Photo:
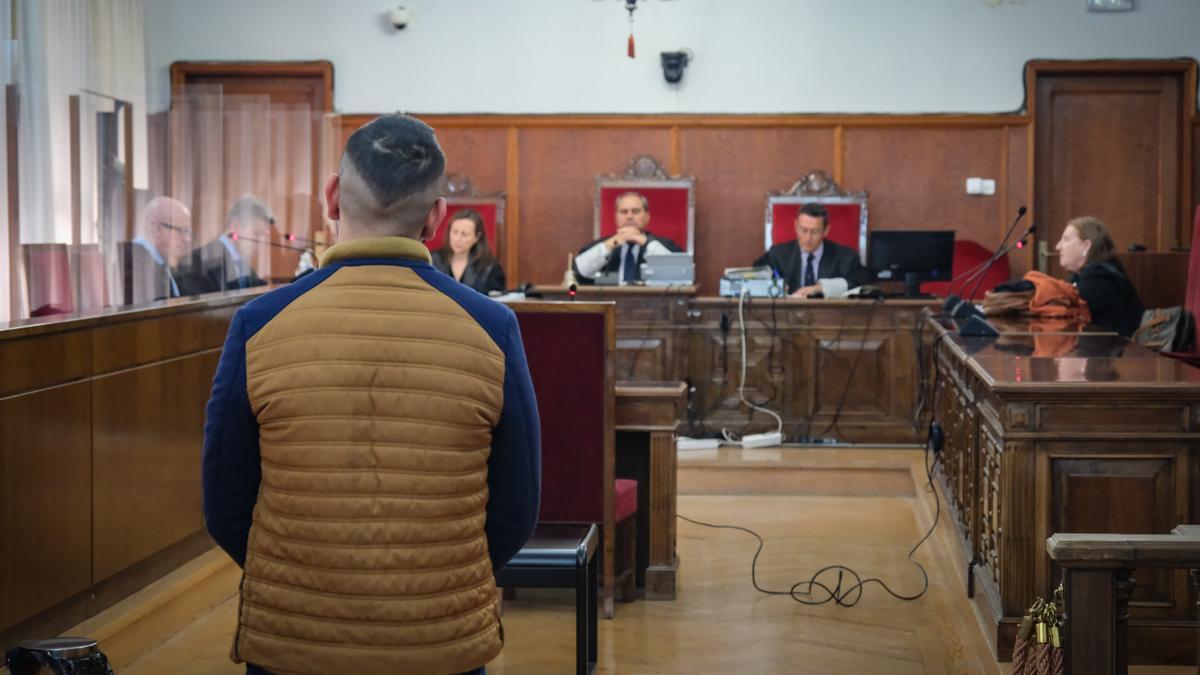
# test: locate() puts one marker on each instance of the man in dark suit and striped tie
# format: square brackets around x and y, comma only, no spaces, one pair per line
[811,265]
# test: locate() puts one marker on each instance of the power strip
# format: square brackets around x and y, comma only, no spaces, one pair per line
[685,443]
[762,440]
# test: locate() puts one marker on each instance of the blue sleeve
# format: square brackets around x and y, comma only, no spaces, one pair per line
[515,465]
[231,468]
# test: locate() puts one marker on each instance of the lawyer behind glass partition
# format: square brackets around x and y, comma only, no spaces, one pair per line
[631,243]
[811,265]
[465,255]
[1086,250]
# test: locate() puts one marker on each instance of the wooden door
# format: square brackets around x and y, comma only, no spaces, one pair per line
[253,128]
[1112,140]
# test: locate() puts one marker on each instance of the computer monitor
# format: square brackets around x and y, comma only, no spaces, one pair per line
[911,256]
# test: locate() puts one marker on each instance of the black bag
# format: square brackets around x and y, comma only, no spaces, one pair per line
[1172,329]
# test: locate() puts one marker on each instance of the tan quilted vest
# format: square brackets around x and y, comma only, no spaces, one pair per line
[375,396]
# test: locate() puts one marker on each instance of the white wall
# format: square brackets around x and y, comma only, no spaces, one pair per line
[558,56]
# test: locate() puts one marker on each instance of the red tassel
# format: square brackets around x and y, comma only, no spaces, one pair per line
[631,52]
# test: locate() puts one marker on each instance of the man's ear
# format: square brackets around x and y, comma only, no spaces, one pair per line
[333,206]
[434,218]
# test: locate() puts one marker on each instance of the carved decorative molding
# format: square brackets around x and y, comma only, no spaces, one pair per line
[815,183]
[460,185]
[644,167]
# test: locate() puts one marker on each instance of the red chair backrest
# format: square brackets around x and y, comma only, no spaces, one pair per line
[670,211]
[844,224]
[490,210]
[568,354]
[48,279]
[968,254]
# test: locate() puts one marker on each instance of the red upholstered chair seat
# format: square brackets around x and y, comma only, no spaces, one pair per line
[668,211]
[968,254]
[626,498]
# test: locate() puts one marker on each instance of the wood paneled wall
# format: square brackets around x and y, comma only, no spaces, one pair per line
[913,166]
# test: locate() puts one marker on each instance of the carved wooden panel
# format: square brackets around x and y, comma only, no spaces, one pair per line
[852,376]
[991,517]
[1089,163]
[1131,495]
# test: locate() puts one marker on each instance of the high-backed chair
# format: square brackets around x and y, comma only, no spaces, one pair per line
[847,212]
[48,279]
[461,193]
[672,201]
[571,350]
[969,255]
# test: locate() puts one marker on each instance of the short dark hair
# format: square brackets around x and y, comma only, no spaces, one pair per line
[813,210]
[397,157]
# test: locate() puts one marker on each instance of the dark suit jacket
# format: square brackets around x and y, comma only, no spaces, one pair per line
[485,278]
[837,261]
[1111,297]
[212,269]
[614,260]
[145,280]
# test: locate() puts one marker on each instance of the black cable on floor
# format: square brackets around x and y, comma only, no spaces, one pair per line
[841,594]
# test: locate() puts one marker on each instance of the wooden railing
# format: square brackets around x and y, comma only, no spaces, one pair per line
[1098,583]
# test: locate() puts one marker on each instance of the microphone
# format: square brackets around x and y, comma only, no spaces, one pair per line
[953,303]
[571,292]
[234,236]
[1003,251]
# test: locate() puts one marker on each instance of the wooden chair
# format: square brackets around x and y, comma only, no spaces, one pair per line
[847,212]
[570,348]
[461,194]
[672,201]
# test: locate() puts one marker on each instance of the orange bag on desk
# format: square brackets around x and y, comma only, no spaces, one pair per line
[1056,299]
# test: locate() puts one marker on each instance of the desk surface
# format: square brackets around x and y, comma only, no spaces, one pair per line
[1023,358]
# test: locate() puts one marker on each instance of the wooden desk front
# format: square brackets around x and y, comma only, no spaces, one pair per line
[836,368]
[1095,436]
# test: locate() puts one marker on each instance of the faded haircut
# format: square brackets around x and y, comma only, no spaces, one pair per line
[391,173]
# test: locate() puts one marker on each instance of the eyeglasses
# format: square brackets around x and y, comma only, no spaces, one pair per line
[181,229]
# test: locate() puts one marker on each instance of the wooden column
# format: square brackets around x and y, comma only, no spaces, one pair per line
[1097,612]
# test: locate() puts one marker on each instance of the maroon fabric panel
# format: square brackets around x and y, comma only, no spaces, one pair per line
[843,223]
[566,355]
[968,254]
[668,211]
[485,209]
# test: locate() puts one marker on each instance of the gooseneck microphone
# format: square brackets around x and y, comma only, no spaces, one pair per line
[954,304]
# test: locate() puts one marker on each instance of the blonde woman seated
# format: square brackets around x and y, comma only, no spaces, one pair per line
[1086,249]
[465,255]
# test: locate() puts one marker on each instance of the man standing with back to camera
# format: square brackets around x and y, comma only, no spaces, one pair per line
[812,264]
[372,449]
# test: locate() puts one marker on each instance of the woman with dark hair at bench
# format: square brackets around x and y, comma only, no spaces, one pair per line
[465,255]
